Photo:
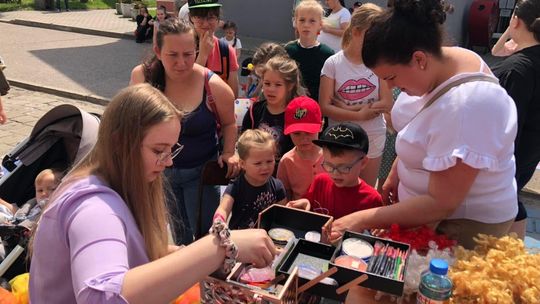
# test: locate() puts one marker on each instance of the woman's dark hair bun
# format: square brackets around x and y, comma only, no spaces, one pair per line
[422,11]
[535,26]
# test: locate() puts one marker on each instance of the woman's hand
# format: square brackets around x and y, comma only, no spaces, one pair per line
[340,225]
[390,188]
[232,160]
[254,247]
[379,232]
[300,204]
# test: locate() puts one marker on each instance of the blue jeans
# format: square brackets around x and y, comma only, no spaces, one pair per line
[185,187]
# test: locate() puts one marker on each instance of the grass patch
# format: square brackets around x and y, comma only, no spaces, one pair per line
[73,4]
[15,6]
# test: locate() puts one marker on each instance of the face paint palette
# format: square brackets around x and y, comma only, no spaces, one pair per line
[280,236]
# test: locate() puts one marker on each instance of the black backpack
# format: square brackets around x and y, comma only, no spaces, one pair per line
[224,53]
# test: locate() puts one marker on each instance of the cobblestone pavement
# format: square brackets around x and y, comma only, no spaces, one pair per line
[24,108]
[100,20]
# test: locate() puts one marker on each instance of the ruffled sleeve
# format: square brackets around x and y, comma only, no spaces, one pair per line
[475,123]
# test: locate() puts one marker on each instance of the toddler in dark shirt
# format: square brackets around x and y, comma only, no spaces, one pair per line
[256,188]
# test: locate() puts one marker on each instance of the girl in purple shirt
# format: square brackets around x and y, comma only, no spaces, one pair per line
[103,237]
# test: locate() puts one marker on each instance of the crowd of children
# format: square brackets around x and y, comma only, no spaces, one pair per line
[335,174]
[296,91]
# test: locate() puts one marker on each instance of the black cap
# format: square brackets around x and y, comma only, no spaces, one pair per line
[346,135]
[203,4]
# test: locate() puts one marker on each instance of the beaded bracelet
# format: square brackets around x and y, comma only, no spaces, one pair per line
[220,229]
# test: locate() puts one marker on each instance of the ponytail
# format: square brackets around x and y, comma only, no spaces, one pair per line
[535,28]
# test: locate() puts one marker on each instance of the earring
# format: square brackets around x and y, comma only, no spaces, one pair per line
[422,67]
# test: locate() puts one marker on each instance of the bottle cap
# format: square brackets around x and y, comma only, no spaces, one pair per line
[438,266]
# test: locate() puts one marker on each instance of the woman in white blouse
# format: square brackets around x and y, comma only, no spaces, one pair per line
[455,165]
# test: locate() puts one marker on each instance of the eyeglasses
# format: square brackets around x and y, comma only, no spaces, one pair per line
[162,157]
[210,19]
[342,169]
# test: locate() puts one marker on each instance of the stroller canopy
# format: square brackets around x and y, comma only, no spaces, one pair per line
[60,138]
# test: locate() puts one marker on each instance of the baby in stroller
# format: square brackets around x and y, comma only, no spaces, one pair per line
[45,183]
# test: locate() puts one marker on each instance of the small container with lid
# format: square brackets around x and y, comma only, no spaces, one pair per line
[357,248]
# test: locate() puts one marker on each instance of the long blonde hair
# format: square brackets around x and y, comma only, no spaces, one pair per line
[116,159]
[289,71]
[361,20]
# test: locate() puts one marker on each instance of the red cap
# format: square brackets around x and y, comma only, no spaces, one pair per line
[303,114]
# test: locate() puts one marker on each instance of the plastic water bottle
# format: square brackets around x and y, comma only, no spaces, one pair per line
[435,285]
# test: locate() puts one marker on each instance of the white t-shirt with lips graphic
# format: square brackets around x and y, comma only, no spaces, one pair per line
[355,84]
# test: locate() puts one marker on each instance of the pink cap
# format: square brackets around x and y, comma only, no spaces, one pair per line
[303,114]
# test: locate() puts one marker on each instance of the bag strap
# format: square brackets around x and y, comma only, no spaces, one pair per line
[446,88]
[224,53]
[209,97]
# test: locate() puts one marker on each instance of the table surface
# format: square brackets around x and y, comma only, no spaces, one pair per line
[367,296]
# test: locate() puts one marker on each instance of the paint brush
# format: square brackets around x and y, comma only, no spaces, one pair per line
[376,251]
[380,259]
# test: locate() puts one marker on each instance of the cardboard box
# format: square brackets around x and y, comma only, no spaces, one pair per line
[298,221]
[230,290]
[374,281]
[318,251]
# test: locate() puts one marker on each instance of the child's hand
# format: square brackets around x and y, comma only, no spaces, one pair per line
[368,112]
[206,43]
[382,106]
[300,204]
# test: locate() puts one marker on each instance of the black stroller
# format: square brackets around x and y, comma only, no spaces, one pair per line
[60,138]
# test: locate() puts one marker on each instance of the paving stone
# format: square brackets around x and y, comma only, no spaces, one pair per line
[24,108]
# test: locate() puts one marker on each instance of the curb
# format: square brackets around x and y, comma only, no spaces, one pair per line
[86,31]
[65,28]
[95,99]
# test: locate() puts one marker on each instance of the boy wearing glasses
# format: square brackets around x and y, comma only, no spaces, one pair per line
[221,59]
[339,191]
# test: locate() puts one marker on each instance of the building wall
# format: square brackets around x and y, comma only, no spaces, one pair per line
[267,19]
[271,19]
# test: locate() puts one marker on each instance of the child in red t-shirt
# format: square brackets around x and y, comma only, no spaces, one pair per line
[339,191]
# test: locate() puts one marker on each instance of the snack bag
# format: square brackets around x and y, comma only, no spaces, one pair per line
[19,287]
